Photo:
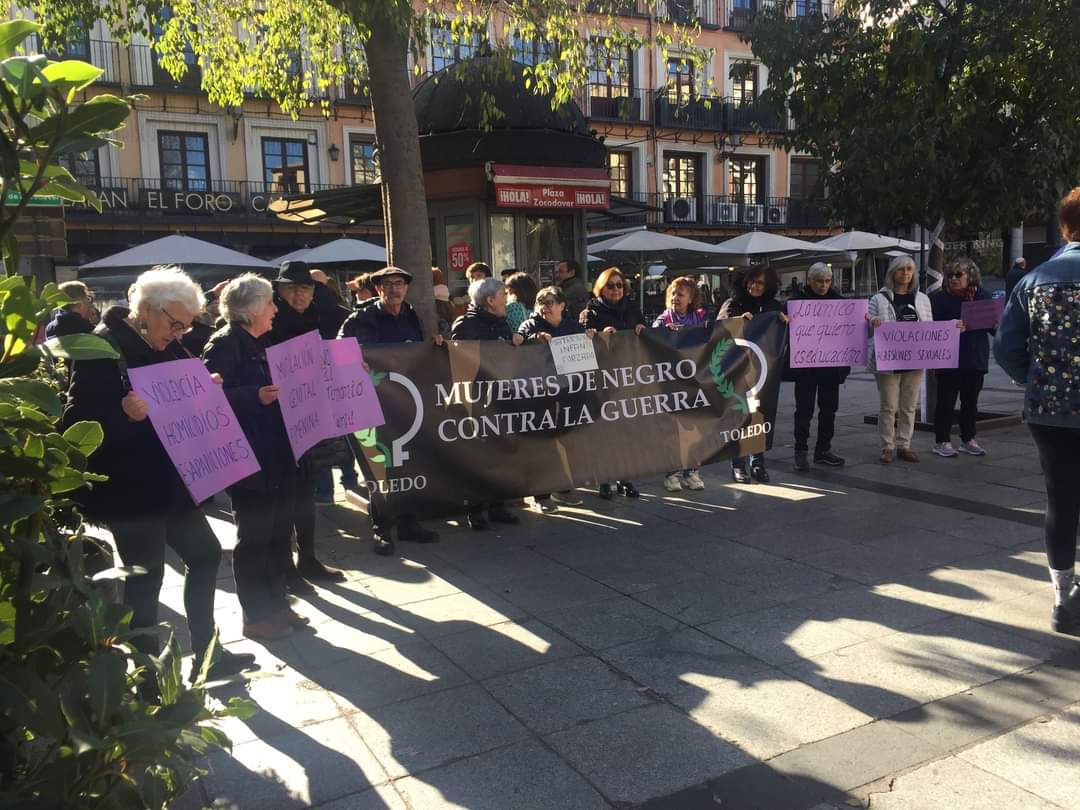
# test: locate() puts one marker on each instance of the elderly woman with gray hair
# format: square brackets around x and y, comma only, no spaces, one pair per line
[262,502]
[485,319]
[963,282]
[899,299]
[817,384]
[144,503]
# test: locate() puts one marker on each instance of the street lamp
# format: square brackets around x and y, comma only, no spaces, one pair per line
[334,152]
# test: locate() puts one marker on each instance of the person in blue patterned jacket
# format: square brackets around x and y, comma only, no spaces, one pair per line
[1038,346]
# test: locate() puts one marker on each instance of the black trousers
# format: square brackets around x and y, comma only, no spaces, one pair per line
[967,384]
[303,505]
[1059,449]
[827,396]
[264,524]
[141,541]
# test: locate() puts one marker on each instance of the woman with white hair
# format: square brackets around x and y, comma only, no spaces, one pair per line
[485,319]
[263,502]
[144,503]
[820,385]
[963,282]
[899,299]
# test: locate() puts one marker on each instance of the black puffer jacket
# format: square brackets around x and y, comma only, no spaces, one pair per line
[815,376]
[142,479]
[373,325]
[479,324]
[67,322]
[742,302]
[240,359]
[535,324]
[624,315]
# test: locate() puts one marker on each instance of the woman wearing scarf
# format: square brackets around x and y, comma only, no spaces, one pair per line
[962,283]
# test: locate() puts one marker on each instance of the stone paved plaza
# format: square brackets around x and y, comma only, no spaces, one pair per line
[877,635]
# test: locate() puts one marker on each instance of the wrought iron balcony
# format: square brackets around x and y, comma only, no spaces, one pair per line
[101,53]
[605,102]
[714,211]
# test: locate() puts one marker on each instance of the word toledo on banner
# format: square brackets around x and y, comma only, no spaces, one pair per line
[828,332]
[912,345]
[195,424]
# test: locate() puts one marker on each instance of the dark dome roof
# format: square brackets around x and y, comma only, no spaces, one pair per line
[450,100]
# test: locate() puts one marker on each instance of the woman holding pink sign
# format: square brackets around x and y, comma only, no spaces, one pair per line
[899,299]
[963,282]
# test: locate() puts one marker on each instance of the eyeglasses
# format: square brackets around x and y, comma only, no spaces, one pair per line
[392,285]
[176,326]
[548,302]
[957,275]
[614,285]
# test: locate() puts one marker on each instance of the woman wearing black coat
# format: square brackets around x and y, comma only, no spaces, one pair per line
[296,299]
[817,384]
[963,282]
[610,311]
[144,503]
[485,319]
[754,295]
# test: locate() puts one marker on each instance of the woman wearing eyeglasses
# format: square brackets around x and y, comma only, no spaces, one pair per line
[144,503]
[754,295]
[610,311]
[963,282]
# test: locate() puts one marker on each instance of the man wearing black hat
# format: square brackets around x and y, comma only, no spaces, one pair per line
[294,293]
[391,319]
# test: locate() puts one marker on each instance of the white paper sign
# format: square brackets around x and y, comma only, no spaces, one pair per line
[573,353]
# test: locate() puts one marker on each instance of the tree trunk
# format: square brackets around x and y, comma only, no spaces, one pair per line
[408,242]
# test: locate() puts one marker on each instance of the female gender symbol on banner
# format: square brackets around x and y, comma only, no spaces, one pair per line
[752,402]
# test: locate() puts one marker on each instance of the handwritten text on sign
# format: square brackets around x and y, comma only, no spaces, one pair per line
[983,314]
[904,346]
[196,425]
[573,354]
[296,367]
[354,405]
[828,332]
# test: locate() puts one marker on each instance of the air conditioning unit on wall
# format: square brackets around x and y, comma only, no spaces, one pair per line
[753,214]
[680,209]
[777,214]
[726,212]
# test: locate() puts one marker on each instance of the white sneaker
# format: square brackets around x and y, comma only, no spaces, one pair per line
[945,450]
[546,506]
[972,448]
[673,483]
[694,482]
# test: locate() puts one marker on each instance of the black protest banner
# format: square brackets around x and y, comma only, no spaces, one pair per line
[487,421]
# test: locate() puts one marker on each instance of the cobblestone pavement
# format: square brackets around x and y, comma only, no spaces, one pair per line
[875,634]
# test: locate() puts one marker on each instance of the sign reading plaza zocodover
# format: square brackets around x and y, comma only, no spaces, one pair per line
[488,420]
[828,332]
[196,425]
[911,345]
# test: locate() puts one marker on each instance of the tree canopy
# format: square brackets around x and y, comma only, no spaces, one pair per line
[923,110]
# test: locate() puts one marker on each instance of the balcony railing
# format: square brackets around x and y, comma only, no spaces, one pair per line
[151,198]
[723,212]
[741,115]
[100,53]
[352,93]
[717,114]
[603,102]
[147,72]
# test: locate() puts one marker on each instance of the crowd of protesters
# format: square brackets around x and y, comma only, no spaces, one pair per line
[147,508]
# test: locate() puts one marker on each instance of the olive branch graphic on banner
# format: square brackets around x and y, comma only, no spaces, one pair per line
[369,436]
[720,379]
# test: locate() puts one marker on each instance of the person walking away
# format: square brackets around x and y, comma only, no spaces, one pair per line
[77,318]
[485,319]
[756,294]
[1012,278]
[144,502]
[610,311]
[899,299]
[391,319]
[963,282]
[817,385]
[1039,331]
[684,310]
[568,277]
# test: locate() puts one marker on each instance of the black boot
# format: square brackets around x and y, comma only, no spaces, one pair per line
[410,531]
[628,489]
[759,472]
[740,474]
[605,492]
[801,464]
[384,546]
[828,458]
[500,514]
[227,664]
[477,521]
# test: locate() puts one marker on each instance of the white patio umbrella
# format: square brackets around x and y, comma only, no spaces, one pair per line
[745,247]
[863,241]
[339,250]
[176,249]
[288,257]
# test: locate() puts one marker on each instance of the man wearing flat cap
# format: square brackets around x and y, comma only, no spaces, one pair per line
[391,319]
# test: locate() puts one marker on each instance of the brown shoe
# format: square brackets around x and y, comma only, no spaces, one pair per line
[293,619]
[268,629]
[907,454]
[888,456]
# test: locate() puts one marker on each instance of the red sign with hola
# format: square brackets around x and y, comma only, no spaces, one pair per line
[550,187]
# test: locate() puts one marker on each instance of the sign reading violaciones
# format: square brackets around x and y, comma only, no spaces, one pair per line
[911,345]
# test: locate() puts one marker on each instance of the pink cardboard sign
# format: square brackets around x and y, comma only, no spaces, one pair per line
[827,332]
[354,405]
[296,367]
[983,314]
[911,345]
[196,425]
